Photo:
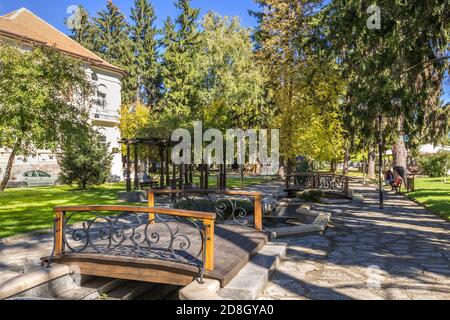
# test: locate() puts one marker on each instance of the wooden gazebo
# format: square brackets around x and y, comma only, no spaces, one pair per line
[181,175]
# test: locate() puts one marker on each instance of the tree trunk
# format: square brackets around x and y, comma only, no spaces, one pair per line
[371,165]
[9,166]
[333,166]
[346,159]
[400,155]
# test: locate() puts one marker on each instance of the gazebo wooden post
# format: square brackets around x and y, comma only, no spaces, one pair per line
[166,149]
[161,167]
[136,171]
[202,179]
[186,174]
[206,176]
[128,168]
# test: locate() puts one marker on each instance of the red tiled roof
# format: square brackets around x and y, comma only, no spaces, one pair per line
[25,26]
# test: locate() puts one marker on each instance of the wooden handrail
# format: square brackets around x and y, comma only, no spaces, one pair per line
[207,191]
[172,212]
[257,214]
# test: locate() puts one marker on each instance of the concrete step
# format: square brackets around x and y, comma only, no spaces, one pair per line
[252,279]
[92,289]
[128,291]
[161,292]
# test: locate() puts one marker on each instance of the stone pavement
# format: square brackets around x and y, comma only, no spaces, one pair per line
[402,252]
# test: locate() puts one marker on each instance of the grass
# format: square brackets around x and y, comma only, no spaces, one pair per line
[26,210]
[434,194]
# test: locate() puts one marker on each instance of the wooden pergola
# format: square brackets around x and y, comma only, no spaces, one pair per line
[181,175]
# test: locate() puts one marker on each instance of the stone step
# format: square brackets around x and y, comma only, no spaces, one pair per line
[161,292]
[129,291]
[252,279]
[92,290]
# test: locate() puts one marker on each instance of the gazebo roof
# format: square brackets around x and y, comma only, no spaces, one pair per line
[148,141]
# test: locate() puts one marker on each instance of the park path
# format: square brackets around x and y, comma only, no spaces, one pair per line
[401,252]
[406,246]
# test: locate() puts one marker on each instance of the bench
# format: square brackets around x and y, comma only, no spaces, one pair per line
[149,185]
[397,185]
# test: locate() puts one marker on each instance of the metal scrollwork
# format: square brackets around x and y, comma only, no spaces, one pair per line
[228,209]
[301,181]
[128,234]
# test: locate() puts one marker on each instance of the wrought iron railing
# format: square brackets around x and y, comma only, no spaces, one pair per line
[155,233]
[230,206]
[322,181]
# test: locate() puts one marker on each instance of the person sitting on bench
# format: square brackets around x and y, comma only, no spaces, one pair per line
[397,184]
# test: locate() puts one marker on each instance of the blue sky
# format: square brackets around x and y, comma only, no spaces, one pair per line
[54,12]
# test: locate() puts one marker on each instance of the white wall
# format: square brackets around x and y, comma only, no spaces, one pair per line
[105,119]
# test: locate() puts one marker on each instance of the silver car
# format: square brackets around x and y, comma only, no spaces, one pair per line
[32,178]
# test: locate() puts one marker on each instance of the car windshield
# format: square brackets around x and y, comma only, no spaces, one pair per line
[43,174]
[30,174]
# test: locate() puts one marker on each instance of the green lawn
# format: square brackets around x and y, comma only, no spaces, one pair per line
[25,210]
[434,194]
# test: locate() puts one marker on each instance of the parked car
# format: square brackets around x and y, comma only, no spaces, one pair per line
[32,178]
[113,178]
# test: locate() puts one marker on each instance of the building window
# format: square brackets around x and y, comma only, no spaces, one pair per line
[102,137]
[101,96]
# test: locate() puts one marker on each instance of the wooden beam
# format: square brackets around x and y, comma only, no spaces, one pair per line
[210,191]
[128,169]
[130,271]
[136,169]
[257,215]
[151,204]
[209,249]
[172,212]
[59,232]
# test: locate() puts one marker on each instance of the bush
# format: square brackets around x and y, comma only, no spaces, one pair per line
[85,161]
[310,195]
[435,165]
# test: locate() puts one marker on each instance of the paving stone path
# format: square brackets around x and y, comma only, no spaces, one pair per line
[402,252]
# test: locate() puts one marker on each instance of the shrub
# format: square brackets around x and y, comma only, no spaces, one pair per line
[311,195]
[435,165]
[85,161]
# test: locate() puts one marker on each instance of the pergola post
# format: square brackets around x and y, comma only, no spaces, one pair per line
[161,167]
[136,171]
[166,149]
[128,168]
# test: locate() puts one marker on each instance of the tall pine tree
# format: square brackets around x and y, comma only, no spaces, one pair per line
[145,48]
[179,71]
[82,31]
[112,42]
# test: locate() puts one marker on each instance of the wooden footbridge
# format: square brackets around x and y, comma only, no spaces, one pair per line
[163,245]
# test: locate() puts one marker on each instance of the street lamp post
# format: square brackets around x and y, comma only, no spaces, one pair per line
[380,160]
[396,102]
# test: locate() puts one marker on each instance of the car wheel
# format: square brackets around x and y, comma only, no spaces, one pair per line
[22,185]
[57,183]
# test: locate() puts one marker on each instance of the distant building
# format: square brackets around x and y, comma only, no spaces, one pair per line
[27,30]
[431,149]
